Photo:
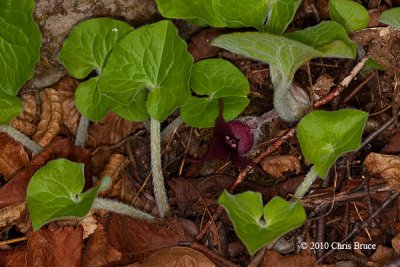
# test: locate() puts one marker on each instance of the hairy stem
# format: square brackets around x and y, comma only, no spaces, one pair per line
[120,208]
[306,184]
[20,137]
[290,101]
[158,178]
[82,132]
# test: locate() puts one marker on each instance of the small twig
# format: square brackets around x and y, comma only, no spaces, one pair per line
[315,200]
[359,87]
[345,82]
[82,132]
[357,228]
[12,241]
[21,138]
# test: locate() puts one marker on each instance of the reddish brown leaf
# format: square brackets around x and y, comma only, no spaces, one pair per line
[99,252]
[12,157]
[200,45]
[59,248]
[394,145]
[138,238]
[176,257]
[111,130]
[272,258]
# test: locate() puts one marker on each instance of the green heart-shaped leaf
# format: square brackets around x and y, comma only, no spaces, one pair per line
[349,14]
[20,41]
[328,37]
[55,192]
[215,79]
[87,49]
[154,58]
[391,17]
[246,212]
[324,136]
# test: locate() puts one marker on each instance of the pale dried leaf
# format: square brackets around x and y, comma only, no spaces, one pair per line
[323,85]
[12,157]
[277,166]
[176,257]
[11,215]
[66,90]
[386,166]
[89,224]
[50,117]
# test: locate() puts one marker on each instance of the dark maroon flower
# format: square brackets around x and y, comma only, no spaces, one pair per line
[231,140]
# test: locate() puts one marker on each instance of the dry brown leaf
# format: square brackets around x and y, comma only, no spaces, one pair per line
[115,165]
[394,145]
[273,259]
[386,166]
[176,257]
[396,244]
[59,248]
[277,166]
[382,255]
[50,117]
[12,157]
[139,238]
[323,85]
[10,215]
[24,127]
[99,252]
[26,123]
[30,108]
[111,130]
[200,45]
[66,90]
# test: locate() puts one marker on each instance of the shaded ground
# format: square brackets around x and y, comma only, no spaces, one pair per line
[355,203]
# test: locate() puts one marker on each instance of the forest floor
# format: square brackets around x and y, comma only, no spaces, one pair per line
[356,204]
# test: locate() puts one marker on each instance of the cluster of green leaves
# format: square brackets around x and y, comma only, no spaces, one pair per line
[55,192]
[20,41]
[146,72]
[272,16]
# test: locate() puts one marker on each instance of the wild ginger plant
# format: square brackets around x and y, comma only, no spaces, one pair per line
[142,74]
